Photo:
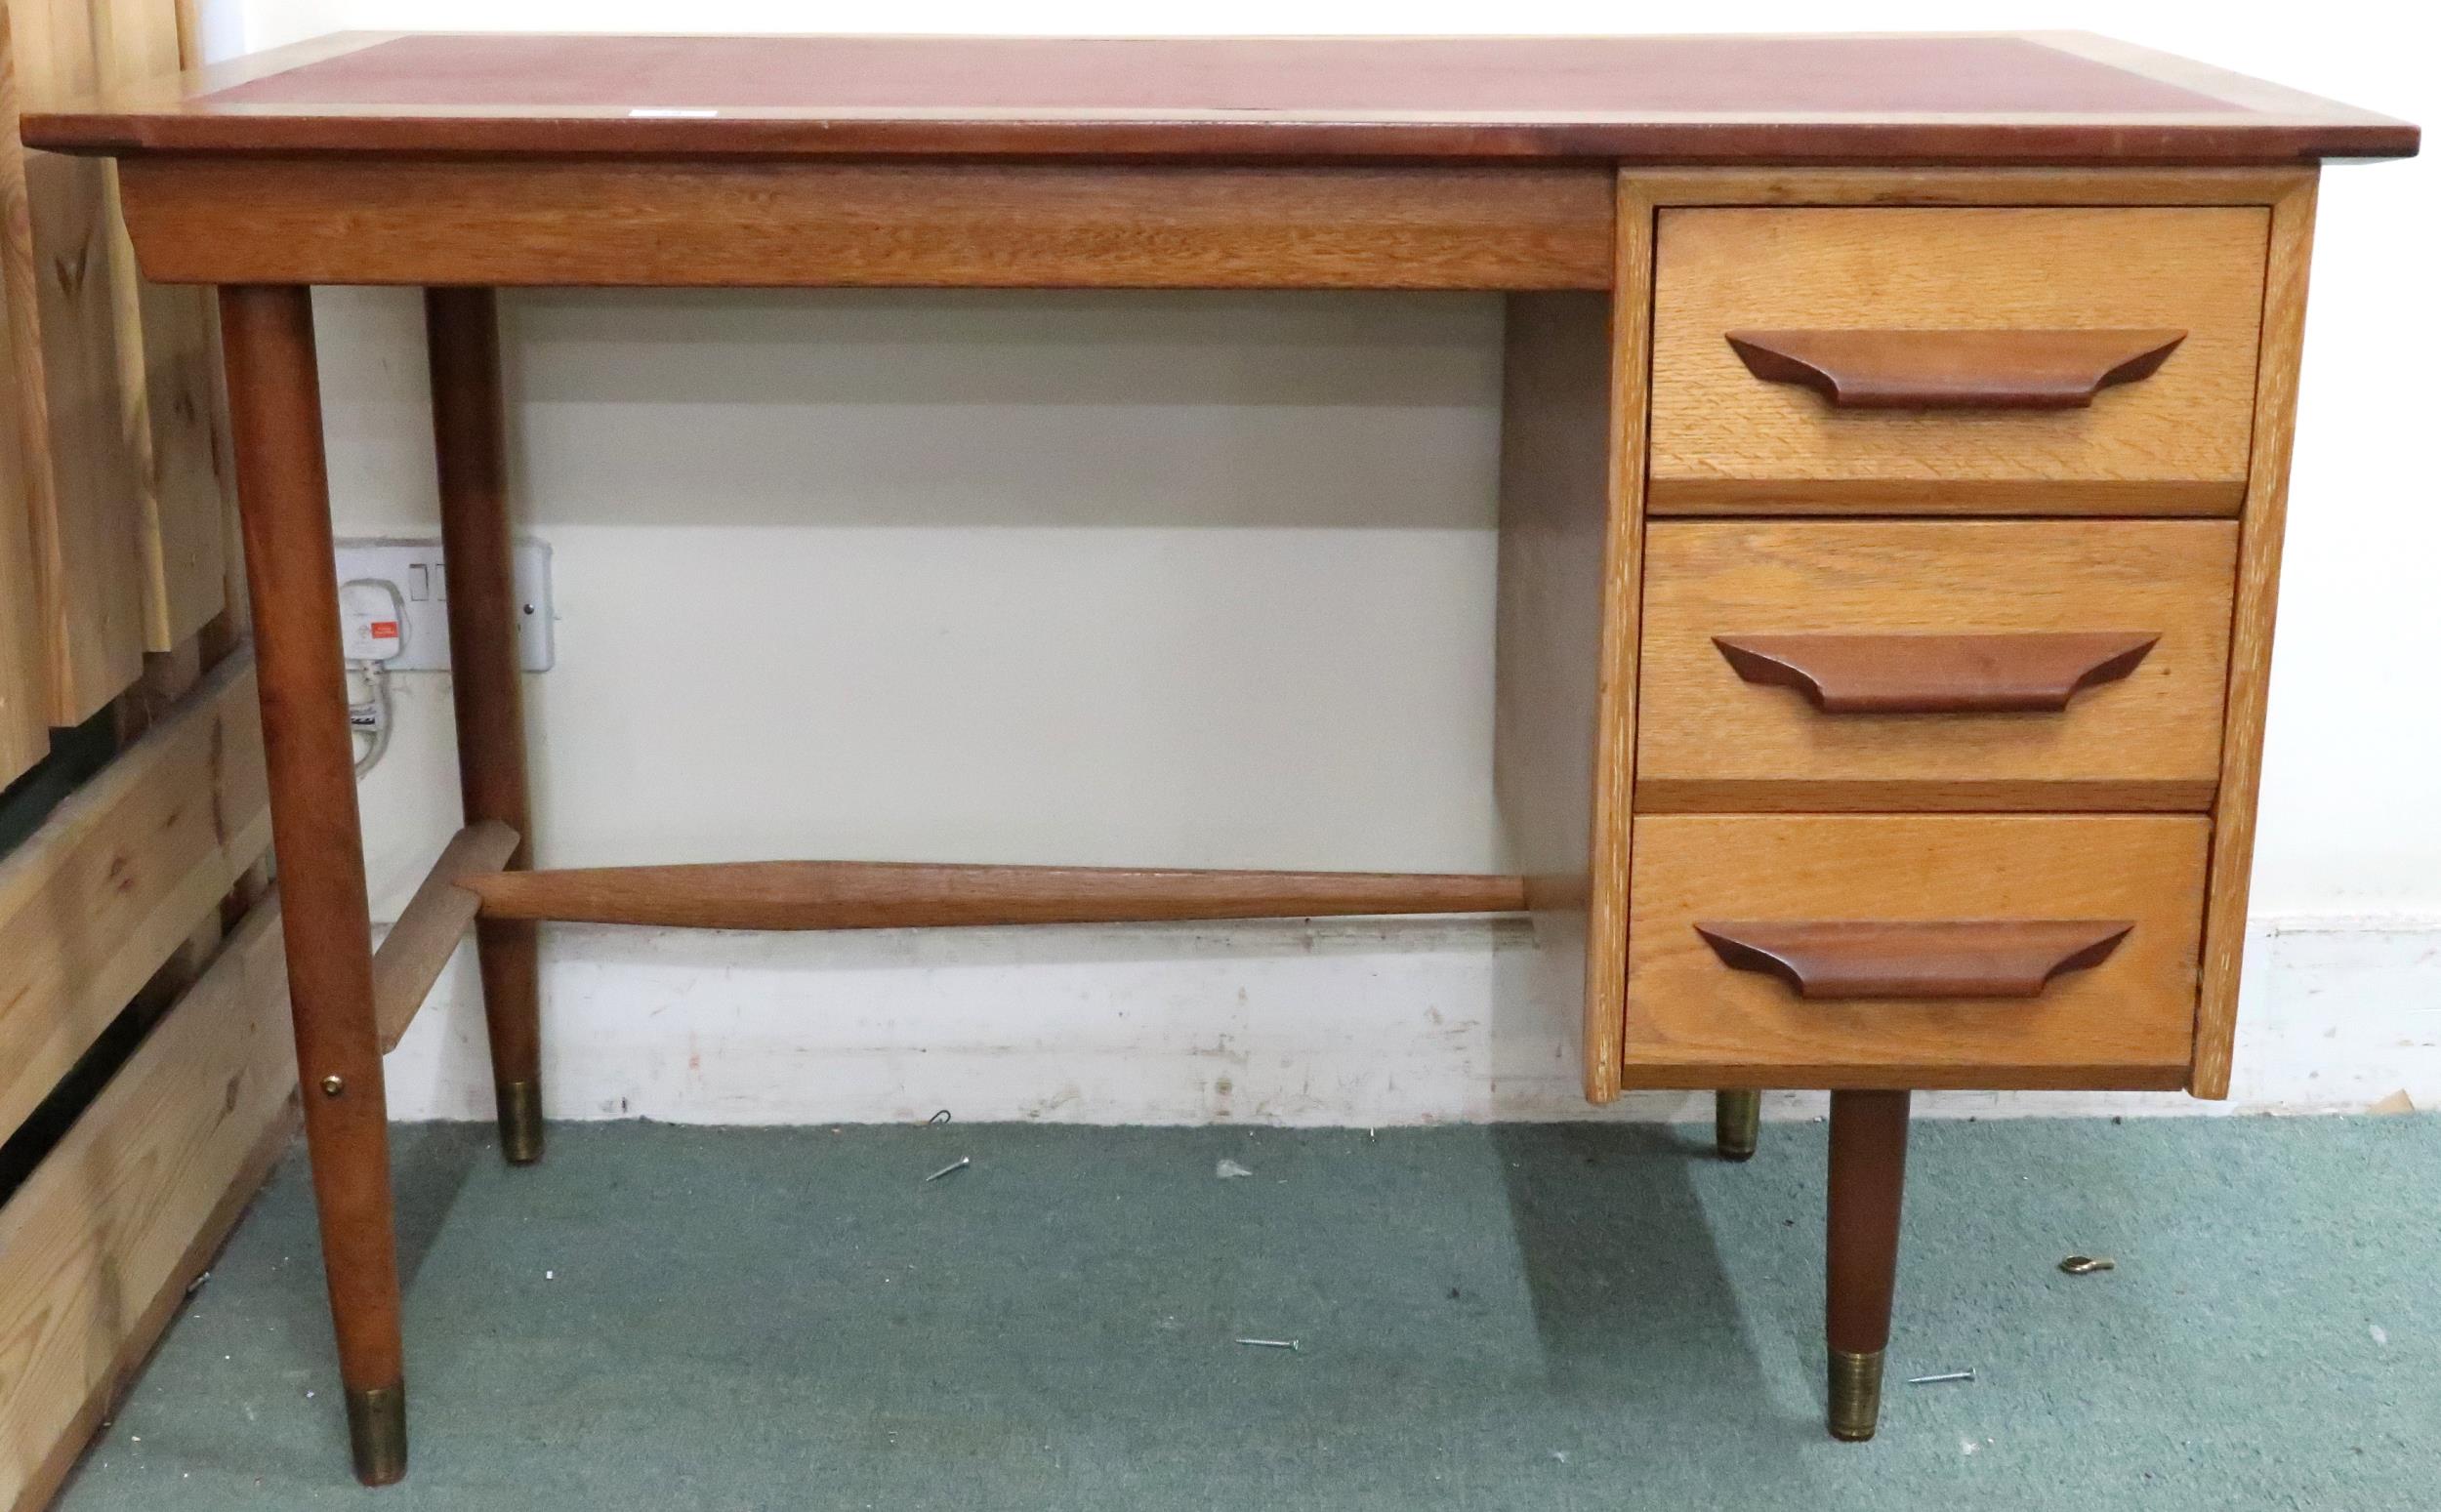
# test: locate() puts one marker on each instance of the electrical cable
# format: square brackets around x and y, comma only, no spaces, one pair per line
[371,718]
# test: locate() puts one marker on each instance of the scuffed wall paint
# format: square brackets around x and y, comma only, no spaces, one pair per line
[1368,1022]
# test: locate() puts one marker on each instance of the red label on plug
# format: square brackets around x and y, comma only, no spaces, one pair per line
[385,630]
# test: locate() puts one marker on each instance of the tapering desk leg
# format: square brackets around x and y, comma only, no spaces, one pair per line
[1737,1118]
[1868,1175]
[462,329]
[275,417]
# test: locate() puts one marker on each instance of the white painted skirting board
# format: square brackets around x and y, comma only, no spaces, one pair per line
[1324,1023]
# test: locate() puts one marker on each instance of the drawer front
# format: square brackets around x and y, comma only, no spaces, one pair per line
[1820,664]
[1955,360]
[1933,951]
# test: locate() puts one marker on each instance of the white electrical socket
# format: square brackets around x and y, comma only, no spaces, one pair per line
[372,623]
[414,569]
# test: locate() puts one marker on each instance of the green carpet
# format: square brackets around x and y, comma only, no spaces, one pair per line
[1530,1316]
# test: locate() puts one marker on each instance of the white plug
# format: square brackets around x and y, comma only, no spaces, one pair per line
[372,621]
[372,632]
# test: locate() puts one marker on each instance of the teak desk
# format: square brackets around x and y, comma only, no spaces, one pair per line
[1896,440]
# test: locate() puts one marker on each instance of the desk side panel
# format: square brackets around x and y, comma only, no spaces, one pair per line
[1570,537]
[2265,524]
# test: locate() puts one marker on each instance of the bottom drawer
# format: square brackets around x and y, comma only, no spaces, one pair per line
[1862,951]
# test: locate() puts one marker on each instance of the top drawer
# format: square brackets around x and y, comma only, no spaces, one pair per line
[1937,360]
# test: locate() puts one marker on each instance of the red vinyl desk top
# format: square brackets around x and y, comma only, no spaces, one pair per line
[1968,98]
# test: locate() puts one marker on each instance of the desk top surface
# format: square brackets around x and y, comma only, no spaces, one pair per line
[1971,98]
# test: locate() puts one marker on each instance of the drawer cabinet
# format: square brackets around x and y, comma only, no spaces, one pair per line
[1947,950]
[2067,360]
[1942,557]
[1917,665]
[1940,587]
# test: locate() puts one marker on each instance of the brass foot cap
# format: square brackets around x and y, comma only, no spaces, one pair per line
[1855,1394]
[521,1122]
[377,1433]
[1737,1123]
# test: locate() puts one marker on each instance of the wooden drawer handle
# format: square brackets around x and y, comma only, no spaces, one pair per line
[1978,673]
[1956,370]
[2012,957]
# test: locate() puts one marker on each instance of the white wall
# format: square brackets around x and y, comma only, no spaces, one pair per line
[1206,580]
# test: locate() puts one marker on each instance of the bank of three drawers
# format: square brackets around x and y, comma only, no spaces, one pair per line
[1942,530]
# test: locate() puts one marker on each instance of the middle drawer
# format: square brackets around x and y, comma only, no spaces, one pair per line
[1914,665]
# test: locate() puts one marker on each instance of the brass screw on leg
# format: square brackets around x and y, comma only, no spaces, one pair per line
[1855,1394]
[1737,1123]
[332,1086]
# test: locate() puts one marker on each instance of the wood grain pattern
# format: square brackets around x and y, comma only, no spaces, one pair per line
[170,676]
[98,1247]
[1955,370]
[429,928]
[1898,187]
[1939,673]
[2250,660]
[388,220]
[1832,960]
[2125,1023]
[167,360]
[283,490]
[1556,686]
[1955,98]
[2175,443]
[117,877]
[24,682]
[83,482]
[190,494]
[1867,1184]
[898,895]
[1620,639]
[471,462]
[1710,739]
